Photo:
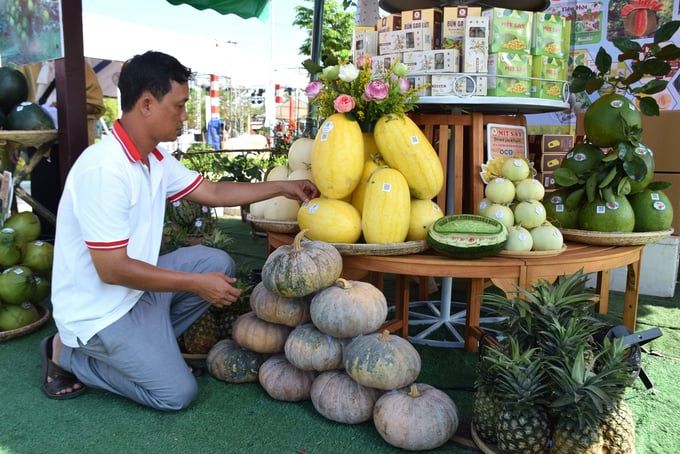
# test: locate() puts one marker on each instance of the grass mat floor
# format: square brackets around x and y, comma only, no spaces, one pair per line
[244,419]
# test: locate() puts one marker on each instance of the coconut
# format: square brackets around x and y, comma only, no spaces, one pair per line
[547,237]
[10,253]
[14,317]
[38,256]
[500,190]
[519,239]
[42,289]
[529,214]
[16,285]
[26,224]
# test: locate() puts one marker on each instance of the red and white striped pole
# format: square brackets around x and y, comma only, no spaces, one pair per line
[278,99]
[214,96]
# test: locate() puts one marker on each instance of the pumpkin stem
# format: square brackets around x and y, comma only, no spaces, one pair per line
[343,283]
[413,392]
[297,242]
[384,336]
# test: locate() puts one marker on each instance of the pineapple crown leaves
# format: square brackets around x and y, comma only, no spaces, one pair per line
[521,378]
[613,360]
[559,341]
[650,62]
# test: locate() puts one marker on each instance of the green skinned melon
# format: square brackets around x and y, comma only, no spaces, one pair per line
[467,236]
[382,361]
[301,269]
[228,362]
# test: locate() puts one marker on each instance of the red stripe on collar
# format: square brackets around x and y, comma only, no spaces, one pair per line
[129,147]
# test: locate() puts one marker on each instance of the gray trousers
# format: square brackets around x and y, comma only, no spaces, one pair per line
[137,356]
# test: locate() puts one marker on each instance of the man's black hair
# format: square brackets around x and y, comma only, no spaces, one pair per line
[151,71]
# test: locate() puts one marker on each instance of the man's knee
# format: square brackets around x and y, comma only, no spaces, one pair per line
[219,260]
[179,396]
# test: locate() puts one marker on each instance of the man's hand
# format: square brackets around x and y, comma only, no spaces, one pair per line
[302,190]
[217,289]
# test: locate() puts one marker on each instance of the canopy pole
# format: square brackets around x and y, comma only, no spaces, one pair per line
[317,29]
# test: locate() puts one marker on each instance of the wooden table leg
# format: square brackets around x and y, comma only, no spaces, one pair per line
[474,308]
[603,291]
[630,299]
[401,300]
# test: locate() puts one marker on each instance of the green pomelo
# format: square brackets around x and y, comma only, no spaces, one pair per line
[13,88]
[557,212]
[14,317]
[26,224]
[653,211]
[38,256]
[501,213]
[529,214]
[515,169]
[647,155]
[42,289]
[602,216]
[607,119]
[27,116]
[519,239]
[547,238]
[500,190]
[582,159]
[16,285]
[529,189]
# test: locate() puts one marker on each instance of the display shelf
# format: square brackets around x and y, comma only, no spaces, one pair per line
[491,104]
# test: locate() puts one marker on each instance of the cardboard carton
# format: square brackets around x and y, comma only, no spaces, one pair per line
[509,74]
[476,45]
[400,41]
[429,21]
[389,23]
[510,30]
[432,61]
[548,36]
[453,25]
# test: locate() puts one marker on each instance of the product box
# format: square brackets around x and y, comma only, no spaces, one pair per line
[509,74]
[550,161]
[389,23]
[476,44]
[549,78]
[381,63]
[365,42]
[400,41]
[429,21]
[548,36]
[458,85]
[421,81]
[557,143]
[431,61]
[548,180]
[510,30]
[453,25]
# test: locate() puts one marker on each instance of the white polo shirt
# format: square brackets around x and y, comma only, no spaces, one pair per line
[111,200]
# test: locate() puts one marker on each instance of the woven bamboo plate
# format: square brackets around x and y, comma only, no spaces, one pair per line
[483,446]
[274,226]
[405,248]
[28,329]
[614,238]
[532,254]
[194,356]
[29,138]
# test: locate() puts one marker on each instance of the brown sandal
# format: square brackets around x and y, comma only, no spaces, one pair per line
[61,379]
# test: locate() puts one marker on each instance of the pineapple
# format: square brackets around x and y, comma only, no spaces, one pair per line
[486,406]
[201,335]
[522,422]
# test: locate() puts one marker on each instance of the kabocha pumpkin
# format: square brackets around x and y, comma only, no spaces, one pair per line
[283,381]
[270,307]
[348,308]
[228,362]
[337,156]
[339,398]
[416,418]
[330,220]
[387,207]
[405,148]
[301,269]
[382,361]
[307,348]
[259,336]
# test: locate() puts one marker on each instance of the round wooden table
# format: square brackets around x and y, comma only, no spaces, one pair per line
[504,272]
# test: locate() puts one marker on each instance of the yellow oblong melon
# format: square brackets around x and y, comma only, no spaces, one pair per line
[423,214]
[405,148]
[337,157]
[330,220]
[387,206]
[360,191]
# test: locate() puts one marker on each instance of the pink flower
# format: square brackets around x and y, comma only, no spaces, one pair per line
[343,103]
[364,62]
[313,89]
[376,90]
[404,86]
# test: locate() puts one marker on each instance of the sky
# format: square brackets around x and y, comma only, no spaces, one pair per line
[206,41]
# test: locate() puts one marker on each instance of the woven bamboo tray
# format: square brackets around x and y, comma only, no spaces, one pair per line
[614,238]
[29,138]
[274,226]
[28,329]
[532,254]
[405,248]
[483,446]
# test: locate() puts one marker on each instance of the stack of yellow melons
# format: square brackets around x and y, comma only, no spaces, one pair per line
[380,190]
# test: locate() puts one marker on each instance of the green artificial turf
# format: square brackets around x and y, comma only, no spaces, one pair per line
[243,418]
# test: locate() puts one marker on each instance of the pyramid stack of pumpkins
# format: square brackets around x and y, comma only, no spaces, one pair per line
[312,335]
[362,176]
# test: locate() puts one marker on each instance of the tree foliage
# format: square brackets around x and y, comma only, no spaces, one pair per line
[338,26]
